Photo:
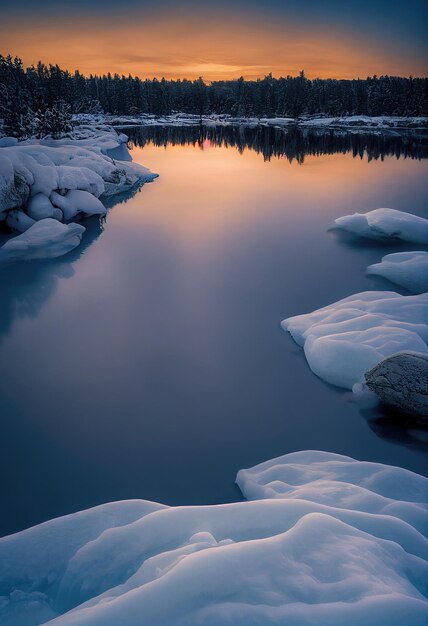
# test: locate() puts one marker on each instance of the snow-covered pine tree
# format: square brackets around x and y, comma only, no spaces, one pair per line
[55,121]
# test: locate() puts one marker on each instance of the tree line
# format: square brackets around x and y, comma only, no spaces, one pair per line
[38,98]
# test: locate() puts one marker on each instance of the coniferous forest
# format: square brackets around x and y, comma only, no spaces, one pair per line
[40,99]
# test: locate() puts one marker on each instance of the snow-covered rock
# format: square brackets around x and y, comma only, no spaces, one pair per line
[325,540]
[40,207]
[345,339]
[58,178]
[401,381]
[66,164]
[385,224]
[407,269]
[45,239]
[76,201]
[18,220]
[14,190]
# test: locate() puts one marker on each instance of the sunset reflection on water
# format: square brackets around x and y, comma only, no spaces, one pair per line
[151,364]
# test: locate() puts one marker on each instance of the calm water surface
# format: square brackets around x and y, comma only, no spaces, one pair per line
[150,362]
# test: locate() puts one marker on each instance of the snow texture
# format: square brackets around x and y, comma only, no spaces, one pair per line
[76,201]
[324,540]
[347,338]
[384,225]
[407,269]
[60,178]
[353,123]
[45,239]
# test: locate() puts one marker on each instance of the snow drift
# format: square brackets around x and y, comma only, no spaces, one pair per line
[61,178]
[345,339]
[45,239]
[407,269]
[324,539]
[384,225]
[386,124]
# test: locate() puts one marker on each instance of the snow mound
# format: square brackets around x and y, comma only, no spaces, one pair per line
[327,541]
[59,178]
[45,239]
[407,269]
[345,339]
[385,224]
[76,201]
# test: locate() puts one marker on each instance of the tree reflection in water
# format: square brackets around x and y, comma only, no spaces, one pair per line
[291,143]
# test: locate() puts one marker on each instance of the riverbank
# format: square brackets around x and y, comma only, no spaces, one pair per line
[47,183]
[352,123]
[322,538]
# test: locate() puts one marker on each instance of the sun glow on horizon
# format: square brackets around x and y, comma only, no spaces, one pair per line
[173,47]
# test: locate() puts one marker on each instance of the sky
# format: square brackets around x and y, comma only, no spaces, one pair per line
[220,39]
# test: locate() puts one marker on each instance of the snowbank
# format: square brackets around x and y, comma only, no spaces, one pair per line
[60,178]
[326,540]
[385,224]
[345,339]
[366,122]
[45,239]
[407,269]
[352,123]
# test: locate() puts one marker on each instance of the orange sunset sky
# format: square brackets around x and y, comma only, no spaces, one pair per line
[220,41]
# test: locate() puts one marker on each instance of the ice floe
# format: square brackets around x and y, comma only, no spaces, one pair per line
[385,224]
[407,269]
[324,539]
[60,178]
[345,339]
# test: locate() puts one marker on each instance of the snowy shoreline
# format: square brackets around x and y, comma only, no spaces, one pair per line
[45,182]
[344,340]
[353,123]
[322,538]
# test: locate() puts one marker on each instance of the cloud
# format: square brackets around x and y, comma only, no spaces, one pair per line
[181,44]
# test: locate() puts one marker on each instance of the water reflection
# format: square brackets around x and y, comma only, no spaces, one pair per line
[157,368]
[25,286]
[35,281]
[291,143]
[397,428]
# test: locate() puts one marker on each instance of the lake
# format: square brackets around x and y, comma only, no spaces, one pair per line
[150,363]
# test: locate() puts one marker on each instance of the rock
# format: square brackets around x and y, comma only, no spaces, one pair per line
[77,201]
[45,239]
[401,381]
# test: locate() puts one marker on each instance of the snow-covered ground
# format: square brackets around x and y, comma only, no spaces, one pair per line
[345,339]
[323,539]
[59,179]
[354,123]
